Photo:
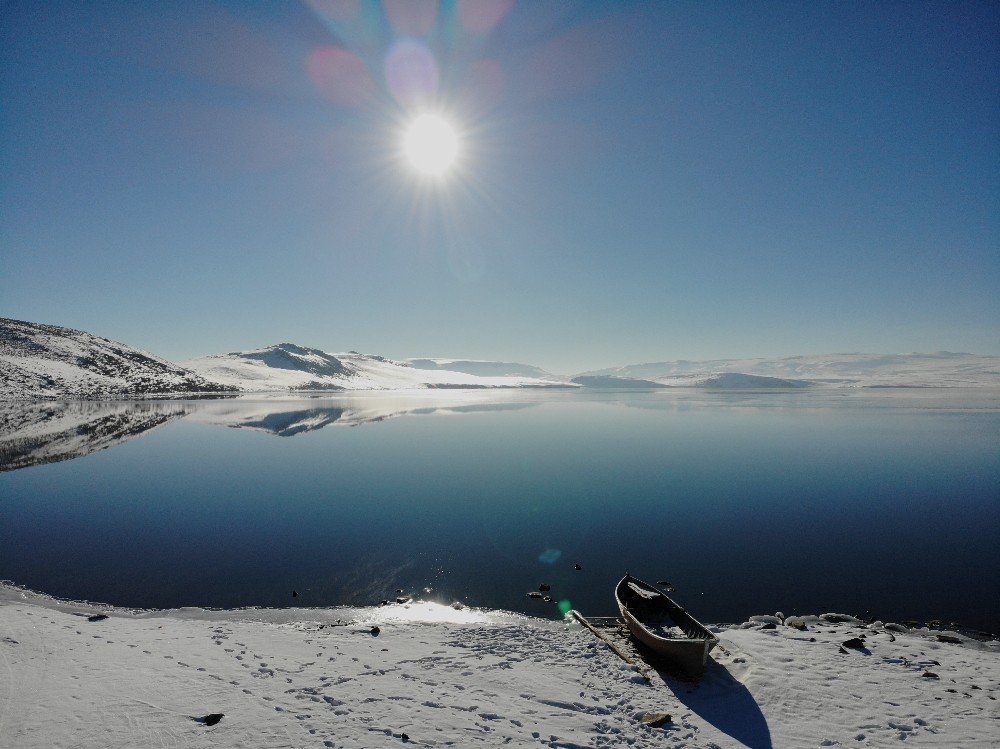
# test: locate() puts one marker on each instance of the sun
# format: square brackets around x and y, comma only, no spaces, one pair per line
[431,144]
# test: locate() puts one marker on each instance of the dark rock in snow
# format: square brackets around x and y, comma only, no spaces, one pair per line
[403,599]
[211,719]
[405,738]
[655,720]
[949,638]
[855,643]
[769,625]
[375,630]
[930,675]
[97,617]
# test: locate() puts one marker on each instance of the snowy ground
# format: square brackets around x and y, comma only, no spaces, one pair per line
[434,676]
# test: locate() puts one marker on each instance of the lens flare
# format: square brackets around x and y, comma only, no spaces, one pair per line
[549,556]
[411,73]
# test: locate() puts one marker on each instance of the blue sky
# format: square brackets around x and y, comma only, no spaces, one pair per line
[639,181]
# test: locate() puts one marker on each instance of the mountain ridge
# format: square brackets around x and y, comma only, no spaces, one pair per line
[39,361]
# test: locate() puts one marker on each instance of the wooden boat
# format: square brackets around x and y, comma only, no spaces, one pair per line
[664,627]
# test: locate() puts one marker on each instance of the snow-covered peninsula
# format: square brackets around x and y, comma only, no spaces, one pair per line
[428,674]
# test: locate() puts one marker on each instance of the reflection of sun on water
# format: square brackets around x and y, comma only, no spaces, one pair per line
[430,144]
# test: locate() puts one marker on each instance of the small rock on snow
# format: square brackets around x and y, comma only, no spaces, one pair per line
[655,720]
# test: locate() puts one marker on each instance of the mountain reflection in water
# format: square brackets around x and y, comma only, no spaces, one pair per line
[51,431]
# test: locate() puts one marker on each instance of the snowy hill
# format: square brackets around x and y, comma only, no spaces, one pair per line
[618,383]
[46,361]
[286,366]
[941,369]
[481,368]
[738,381]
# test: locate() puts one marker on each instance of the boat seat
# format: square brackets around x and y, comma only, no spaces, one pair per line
[647,594]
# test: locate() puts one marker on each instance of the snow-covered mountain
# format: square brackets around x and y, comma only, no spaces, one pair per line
[286,366]
[941,369]
[617,383]
[725,381]
[482,368]
[47,361]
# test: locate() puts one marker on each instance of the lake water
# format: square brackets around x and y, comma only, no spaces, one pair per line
[885,502]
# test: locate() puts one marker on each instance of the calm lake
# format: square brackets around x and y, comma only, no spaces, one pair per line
[864,501]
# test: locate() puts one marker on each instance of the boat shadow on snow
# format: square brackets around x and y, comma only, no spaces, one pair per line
[720,699]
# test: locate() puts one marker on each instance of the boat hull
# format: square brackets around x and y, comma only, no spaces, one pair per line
[641,605]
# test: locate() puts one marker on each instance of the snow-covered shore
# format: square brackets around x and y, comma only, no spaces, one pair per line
[432,675]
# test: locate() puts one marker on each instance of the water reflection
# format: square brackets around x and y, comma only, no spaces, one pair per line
[748,502]
[287,418]
[51,431]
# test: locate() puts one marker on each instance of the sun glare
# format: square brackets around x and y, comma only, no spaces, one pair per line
[430,144]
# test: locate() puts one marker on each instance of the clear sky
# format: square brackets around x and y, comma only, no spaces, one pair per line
[636,181]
